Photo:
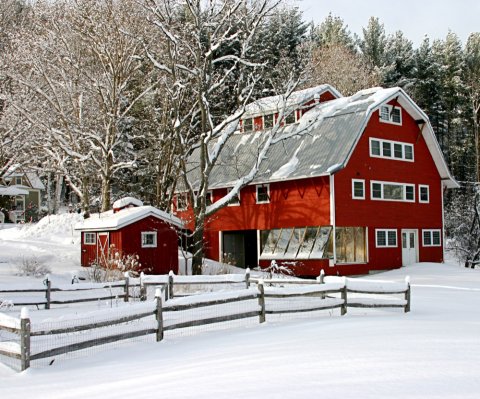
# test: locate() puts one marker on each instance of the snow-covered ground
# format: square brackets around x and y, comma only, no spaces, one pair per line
[431,352]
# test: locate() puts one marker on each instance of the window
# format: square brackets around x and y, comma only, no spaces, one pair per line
[263,194]
[18,180]
[295,243]
[247,125]
[358,189]
[149,239]
[424,194]
[290,118]
[182,201]
[390,114]
[392,191]
[391,149]
[235,200]
[431,238]
[209,198]
[385,238]
[89,238]
[350,243]
[268,121]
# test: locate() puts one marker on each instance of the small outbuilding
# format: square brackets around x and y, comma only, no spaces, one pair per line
[132,229]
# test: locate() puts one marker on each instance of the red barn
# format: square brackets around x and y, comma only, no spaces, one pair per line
[357,187]
[132,229]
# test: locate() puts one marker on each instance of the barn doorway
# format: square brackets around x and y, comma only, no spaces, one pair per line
[409,247]
[240,248]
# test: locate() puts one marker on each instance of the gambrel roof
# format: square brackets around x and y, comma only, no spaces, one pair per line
[321,143]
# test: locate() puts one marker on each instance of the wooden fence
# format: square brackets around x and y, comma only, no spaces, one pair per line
[325,295]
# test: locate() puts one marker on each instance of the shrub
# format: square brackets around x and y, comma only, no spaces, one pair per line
[32,266]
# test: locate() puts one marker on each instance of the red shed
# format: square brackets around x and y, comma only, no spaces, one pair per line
[355,186]
[131,229]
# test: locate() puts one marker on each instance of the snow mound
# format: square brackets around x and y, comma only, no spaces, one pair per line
[54,227]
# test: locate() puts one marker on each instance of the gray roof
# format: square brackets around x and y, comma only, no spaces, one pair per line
[326,137]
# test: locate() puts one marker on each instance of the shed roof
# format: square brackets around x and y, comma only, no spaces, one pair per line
[107,221]
[321,143]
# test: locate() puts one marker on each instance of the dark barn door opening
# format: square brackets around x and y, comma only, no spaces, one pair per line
[240,248]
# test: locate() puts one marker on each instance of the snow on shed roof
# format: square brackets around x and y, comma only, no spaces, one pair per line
[327,136]
[114,221]
[272,104]
[122,202]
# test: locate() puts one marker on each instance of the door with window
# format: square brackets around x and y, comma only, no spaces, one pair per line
[409,247]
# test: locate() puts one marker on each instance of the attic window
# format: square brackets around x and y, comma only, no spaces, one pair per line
[235,200]
[263,194]
[18,180]
[390,114]
[149,239]
[290,118]
[268,121]
[247,125]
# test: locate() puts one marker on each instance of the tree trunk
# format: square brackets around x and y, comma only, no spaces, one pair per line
[58,193]
[198,255]
[85,198]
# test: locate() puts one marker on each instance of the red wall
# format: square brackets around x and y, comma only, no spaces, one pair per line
[388,214]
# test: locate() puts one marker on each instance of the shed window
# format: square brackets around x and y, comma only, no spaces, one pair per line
[89,238]
[149,239]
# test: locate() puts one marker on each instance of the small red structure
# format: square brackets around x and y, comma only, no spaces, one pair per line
[132,228]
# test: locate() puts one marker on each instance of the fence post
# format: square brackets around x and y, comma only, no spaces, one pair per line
[170,284]
[321,280]
[344,297]
[407,295]
[127,287]
[247,277]
[143,291]
[261,301]
[48,283]
[24,339]
[159,314]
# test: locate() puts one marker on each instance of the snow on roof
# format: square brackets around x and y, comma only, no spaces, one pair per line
[35,181]
[12,190]
[123,202]
[114,221]
[327,136]
[275,103]
[16,170]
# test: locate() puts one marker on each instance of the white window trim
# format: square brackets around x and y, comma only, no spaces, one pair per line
[353,188]
[85,242]
[392,143]
[372,182]
[390,107]
[430,232]
[420,186]
[185,199]
[234,203]
[154,245]
[387,245]
[268,193]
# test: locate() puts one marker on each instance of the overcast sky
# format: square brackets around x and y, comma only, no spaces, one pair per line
[414,17]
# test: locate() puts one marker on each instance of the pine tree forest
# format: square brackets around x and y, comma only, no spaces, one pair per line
[107,98]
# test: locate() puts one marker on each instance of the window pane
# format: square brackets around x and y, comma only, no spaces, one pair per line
[424,194]
[375,147]
[308,242]
[409,193]
[436,237]
[262,194]
[404,240]
[427,240]
[294,244]
[290,118]
[392,192]
[381,238]
[321,241]
[396,115]
[398,150]
[248,125]
[408,152]
[376,190]
[384,113]
[387,149]
[358,189]
[268,120]
[282,242]
[392,238]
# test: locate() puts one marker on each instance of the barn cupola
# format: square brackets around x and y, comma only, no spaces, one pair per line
[126,202]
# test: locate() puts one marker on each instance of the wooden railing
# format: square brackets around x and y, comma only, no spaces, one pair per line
[268,300]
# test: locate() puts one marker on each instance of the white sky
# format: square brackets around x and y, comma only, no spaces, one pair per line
[414,17]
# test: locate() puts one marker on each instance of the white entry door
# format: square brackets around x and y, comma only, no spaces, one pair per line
[409,247]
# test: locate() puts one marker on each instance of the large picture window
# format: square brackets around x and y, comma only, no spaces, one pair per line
[350,243]
[295,243]
[392,191]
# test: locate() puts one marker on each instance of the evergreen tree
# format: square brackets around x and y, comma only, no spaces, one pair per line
[333,32]
[373,44]
[400,61]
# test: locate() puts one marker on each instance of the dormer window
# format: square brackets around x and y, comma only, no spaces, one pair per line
[247,125]
[290,118]
[268,121]
[18,180]
[390,114]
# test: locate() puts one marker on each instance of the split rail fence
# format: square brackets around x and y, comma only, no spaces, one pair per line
[259,298]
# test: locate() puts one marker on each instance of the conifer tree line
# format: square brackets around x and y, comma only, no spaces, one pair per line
[107,98]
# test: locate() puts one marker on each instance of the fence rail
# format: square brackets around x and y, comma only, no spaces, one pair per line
[328,295]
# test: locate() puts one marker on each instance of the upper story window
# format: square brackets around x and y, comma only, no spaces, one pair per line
[89,238]
[391,149]
[423,193]
[247,125]
[392,191]
[390,114]
[235,200]
[149,239]
[358,189]
[263,193]
[182,201]
[290,118]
